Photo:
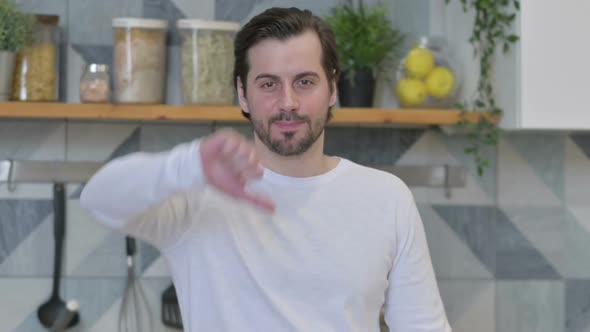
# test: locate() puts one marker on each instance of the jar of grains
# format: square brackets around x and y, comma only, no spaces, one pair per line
[36,72]
[207,60]
[139,60]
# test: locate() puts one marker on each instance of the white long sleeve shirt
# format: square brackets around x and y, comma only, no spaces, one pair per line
[339,248]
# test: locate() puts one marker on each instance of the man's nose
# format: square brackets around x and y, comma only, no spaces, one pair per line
[289,99]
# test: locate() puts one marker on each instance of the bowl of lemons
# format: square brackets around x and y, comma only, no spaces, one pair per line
[426,76]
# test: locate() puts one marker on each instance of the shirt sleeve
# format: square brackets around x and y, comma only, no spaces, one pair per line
[413,302]
[147,195]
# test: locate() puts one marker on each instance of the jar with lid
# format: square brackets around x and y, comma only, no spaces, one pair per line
[139,60]
[207,59]
[36,73]
[95,84]
[428,75]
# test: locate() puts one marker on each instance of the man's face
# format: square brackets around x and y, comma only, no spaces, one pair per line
[288,93]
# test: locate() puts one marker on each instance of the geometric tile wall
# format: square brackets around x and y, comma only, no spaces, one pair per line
[501,267]
[511,250]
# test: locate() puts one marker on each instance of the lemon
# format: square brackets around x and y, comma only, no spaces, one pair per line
[439,82]
[411,91]
[419,62]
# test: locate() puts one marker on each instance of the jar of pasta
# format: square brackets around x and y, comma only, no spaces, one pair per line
[139,60]
[36,74]
[207,60]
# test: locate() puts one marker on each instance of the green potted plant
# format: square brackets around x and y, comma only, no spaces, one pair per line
[491,32]
[15,33]
[367,44]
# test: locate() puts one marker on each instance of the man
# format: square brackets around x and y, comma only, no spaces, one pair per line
[274,235]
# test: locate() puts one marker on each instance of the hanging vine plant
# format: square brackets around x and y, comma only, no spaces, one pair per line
[491,30]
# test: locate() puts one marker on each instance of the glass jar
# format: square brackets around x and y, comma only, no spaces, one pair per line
[95,84]
[207,60]
[36,73]
[140,60]
[428,76]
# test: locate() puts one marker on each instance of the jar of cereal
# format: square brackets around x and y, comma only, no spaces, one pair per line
[140,60]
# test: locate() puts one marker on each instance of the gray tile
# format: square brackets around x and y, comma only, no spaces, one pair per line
[342,142]
[516,257]
[91,21]
[165,10]
[577,241]
[411,17]
[31,324]
[576,171]
[202,9]
[469,304]
[456,144]
[173,77]
[73,72]
[106,260]
[97,141]
[231,10]
[475,225]
[536,148]
[22,139]
[583,141]
[577,305]
[558,236]
[50,7]
[451,257]
[129,145]
[517,180]
[18,218]
[34,254]
[21,297]
[370,146]
[523,306]
[147,255]
[319,8]
[156,138]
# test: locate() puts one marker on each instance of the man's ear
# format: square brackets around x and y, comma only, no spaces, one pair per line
[334,95]
[242,95]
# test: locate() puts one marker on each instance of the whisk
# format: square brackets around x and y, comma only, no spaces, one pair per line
[135,314]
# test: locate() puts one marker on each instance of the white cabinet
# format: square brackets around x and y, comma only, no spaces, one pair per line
[544,82]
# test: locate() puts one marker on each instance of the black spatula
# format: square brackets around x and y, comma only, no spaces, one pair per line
[49,311]
[170,309]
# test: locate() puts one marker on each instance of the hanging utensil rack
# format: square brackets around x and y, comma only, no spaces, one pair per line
[32,171]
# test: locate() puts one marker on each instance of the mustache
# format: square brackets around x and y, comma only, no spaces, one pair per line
[288,116]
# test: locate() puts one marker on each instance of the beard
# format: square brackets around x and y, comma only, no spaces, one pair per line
[288,145]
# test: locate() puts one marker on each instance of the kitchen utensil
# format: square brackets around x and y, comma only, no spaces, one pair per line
[135,314]
[170,309]
[65,316]
[49,311]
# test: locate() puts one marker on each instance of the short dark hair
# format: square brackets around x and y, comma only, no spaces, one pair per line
[281,24]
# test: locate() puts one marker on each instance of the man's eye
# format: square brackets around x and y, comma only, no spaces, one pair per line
[306,82]
[268,85]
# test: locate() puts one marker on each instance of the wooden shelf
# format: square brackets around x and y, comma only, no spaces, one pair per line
[342,116]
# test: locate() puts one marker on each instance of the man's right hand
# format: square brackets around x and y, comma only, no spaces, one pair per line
[229,160]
